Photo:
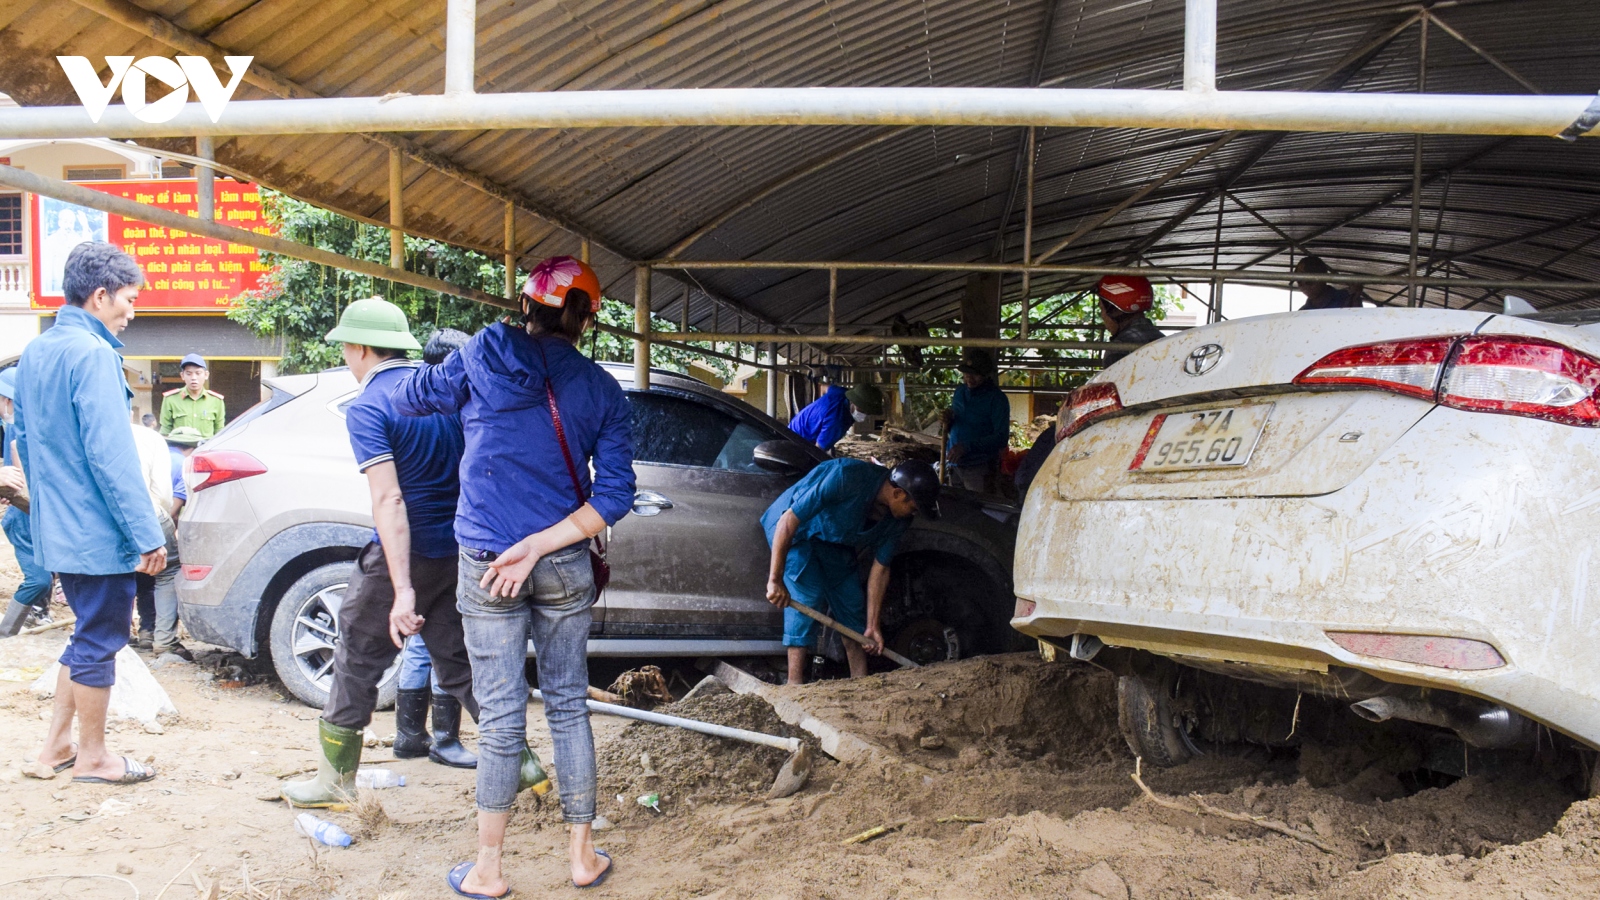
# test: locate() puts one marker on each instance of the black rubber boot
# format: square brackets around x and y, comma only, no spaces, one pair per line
[411,723]
[447,749]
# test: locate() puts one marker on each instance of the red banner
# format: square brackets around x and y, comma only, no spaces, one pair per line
[183,271]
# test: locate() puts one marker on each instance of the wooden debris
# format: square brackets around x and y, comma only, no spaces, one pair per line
[965,820]
[873,833]
[1205,808]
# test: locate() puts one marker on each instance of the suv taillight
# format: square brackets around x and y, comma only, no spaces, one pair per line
[1405,367]
[1518,376]
[1085,405]
[214,467]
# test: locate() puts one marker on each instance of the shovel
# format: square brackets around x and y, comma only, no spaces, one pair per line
[792,777]
[856,636]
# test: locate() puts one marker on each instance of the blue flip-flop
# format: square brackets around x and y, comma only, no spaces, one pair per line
[603,875]
[459,874]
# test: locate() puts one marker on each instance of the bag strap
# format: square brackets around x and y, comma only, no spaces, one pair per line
[561,434]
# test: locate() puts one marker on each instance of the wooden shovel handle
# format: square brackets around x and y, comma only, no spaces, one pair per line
[856,636]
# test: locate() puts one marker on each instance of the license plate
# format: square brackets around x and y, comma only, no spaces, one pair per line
[1203,439]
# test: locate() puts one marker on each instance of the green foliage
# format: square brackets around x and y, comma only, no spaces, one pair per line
[302,300]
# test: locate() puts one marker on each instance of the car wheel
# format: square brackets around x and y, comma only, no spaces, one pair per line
[934,610]
[1152,722]
[305,632]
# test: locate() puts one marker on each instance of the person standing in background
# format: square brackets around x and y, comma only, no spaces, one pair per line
[30,604]
[180,446]
[979,422]
[92,519]
[192,404]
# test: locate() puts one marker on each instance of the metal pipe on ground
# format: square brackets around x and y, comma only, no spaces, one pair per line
[1309,111]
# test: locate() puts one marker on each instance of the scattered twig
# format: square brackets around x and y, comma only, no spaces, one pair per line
[125,881]
[967,820]
[872,833]
[176,874]
[1210,810]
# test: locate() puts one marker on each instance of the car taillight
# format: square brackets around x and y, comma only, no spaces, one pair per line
[1525,377]
[1422,649]
[214,467]
[1085,405]
[1405,367]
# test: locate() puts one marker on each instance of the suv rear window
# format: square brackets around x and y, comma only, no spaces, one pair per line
[277,398]
[681,432]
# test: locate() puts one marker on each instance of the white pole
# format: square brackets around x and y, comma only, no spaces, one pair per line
[1357,112]
[460,46]
[1200,46]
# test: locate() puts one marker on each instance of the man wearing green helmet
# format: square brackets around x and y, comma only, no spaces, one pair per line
[405,580]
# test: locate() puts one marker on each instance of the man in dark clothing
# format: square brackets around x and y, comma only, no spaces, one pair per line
[1321,295]
[405,579]
[1124,300]
[979,423]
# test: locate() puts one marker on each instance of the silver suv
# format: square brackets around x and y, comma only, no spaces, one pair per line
[277,512]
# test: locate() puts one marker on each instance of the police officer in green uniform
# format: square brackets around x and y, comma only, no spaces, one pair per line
[192,405]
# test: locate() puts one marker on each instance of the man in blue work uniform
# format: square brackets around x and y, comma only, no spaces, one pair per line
[816,529]
[979,420]
[30,603]
[405,579]
[824,421]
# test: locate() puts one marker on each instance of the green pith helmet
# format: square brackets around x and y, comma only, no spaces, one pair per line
[374,322]
[185,436]
[866,398]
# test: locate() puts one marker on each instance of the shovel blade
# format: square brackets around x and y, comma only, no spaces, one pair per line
[794,774]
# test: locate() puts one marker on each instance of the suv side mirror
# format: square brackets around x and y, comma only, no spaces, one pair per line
[783,458]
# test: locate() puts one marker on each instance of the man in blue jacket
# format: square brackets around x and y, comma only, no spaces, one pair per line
[825,420]
[92,519]
[979,419]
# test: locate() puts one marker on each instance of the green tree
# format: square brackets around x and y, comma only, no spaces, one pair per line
[301,301]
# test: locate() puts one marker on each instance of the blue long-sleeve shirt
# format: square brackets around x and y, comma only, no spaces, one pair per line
[981,420]
[825,419]
[90,512]
[514,480]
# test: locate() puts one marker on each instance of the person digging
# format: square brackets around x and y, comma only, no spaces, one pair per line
[816,529]
[405,579]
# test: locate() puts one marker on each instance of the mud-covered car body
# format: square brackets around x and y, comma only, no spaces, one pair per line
[282,512]
[1397,526]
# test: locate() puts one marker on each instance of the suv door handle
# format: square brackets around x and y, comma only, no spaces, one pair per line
[649,503]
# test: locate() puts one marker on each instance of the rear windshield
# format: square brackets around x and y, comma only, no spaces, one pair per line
[275,399]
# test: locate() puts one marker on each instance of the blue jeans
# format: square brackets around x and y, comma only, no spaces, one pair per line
[35,587]
[103,605]
[416,668]
[555,605]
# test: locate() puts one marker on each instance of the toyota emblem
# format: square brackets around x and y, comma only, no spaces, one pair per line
[1203,359]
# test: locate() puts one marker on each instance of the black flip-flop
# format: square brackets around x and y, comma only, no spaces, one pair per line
[68,763]
[133,772]
[601,878]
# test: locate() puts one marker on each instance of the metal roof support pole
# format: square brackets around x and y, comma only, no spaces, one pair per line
[397,212]
[1200,45]
[511,251]
[772,379]
[1027,229]
[833,301]
[641,324]
[205,147]
[460,46]
[1413,297]
[684,311]
[583,250]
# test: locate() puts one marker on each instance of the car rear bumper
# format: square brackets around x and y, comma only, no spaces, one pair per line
[1458,530]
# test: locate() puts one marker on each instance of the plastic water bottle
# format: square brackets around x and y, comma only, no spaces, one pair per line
[377,779]
[320,831]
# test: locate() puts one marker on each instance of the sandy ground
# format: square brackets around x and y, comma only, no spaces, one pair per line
[1001,777]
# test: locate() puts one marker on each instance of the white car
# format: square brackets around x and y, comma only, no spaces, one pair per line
[1396,508]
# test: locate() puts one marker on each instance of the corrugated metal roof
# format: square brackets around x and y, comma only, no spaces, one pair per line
[1500,207]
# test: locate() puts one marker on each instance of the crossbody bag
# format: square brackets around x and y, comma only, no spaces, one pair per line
[597,550]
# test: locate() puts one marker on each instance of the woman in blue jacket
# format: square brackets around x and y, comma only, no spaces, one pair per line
[535,413]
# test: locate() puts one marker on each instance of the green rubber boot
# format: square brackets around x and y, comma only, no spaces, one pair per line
[335,781]
[532,776]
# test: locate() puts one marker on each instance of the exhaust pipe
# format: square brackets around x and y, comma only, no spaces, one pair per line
[1486,726]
